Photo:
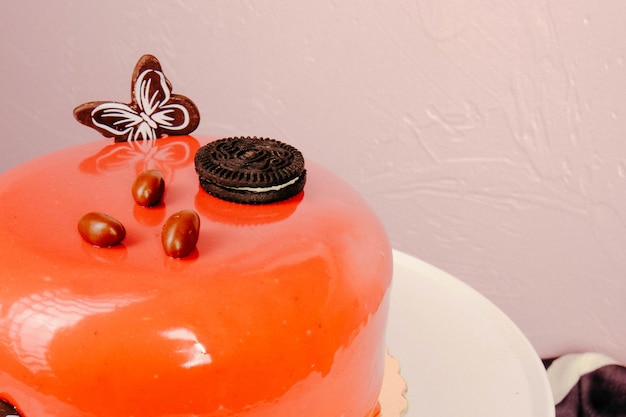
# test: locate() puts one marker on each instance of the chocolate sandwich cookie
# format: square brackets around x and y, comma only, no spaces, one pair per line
[250,170]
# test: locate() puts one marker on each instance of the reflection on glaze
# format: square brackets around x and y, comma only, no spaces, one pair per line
[31,323]
[163,155]
[223,211]
[194,351]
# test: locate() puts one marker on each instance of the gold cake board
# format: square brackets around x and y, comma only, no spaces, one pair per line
[393,402]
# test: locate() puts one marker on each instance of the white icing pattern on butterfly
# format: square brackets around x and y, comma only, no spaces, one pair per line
[153,111]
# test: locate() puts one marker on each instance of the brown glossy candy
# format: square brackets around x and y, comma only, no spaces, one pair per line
[180,233]
[148,188]
[101,230]
[7,409]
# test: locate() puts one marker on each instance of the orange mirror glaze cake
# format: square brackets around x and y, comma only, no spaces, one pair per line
[277,309]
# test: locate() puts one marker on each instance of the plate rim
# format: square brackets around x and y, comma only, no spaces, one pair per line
[523,346]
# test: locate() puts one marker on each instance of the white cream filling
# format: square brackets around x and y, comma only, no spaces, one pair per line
[266,189]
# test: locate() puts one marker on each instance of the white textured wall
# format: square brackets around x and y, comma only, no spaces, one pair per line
[490,136]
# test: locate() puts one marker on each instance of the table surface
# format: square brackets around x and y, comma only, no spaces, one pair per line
[460,354]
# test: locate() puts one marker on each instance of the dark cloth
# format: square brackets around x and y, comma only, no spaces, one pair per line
[587,385]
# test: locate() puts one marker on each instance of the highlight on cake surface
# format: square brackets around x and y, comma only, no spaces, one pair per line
[153,111]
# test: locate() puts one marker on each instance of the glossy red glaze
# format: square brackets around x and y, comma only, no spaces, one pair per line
[279,311]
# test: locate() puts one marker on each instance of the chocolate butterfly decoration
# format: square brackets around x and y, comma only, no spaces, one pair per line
[154,110]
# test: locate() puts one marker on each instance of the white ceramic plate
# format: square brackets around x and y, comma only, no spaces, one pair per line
[460,354]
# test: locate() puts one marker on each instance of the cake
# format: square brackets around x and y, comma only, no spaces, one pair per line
[273,309]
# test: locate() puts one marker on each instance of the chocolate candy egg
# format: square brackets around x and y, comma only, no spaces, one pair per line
[101,230]
[180,233]
[148,188]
